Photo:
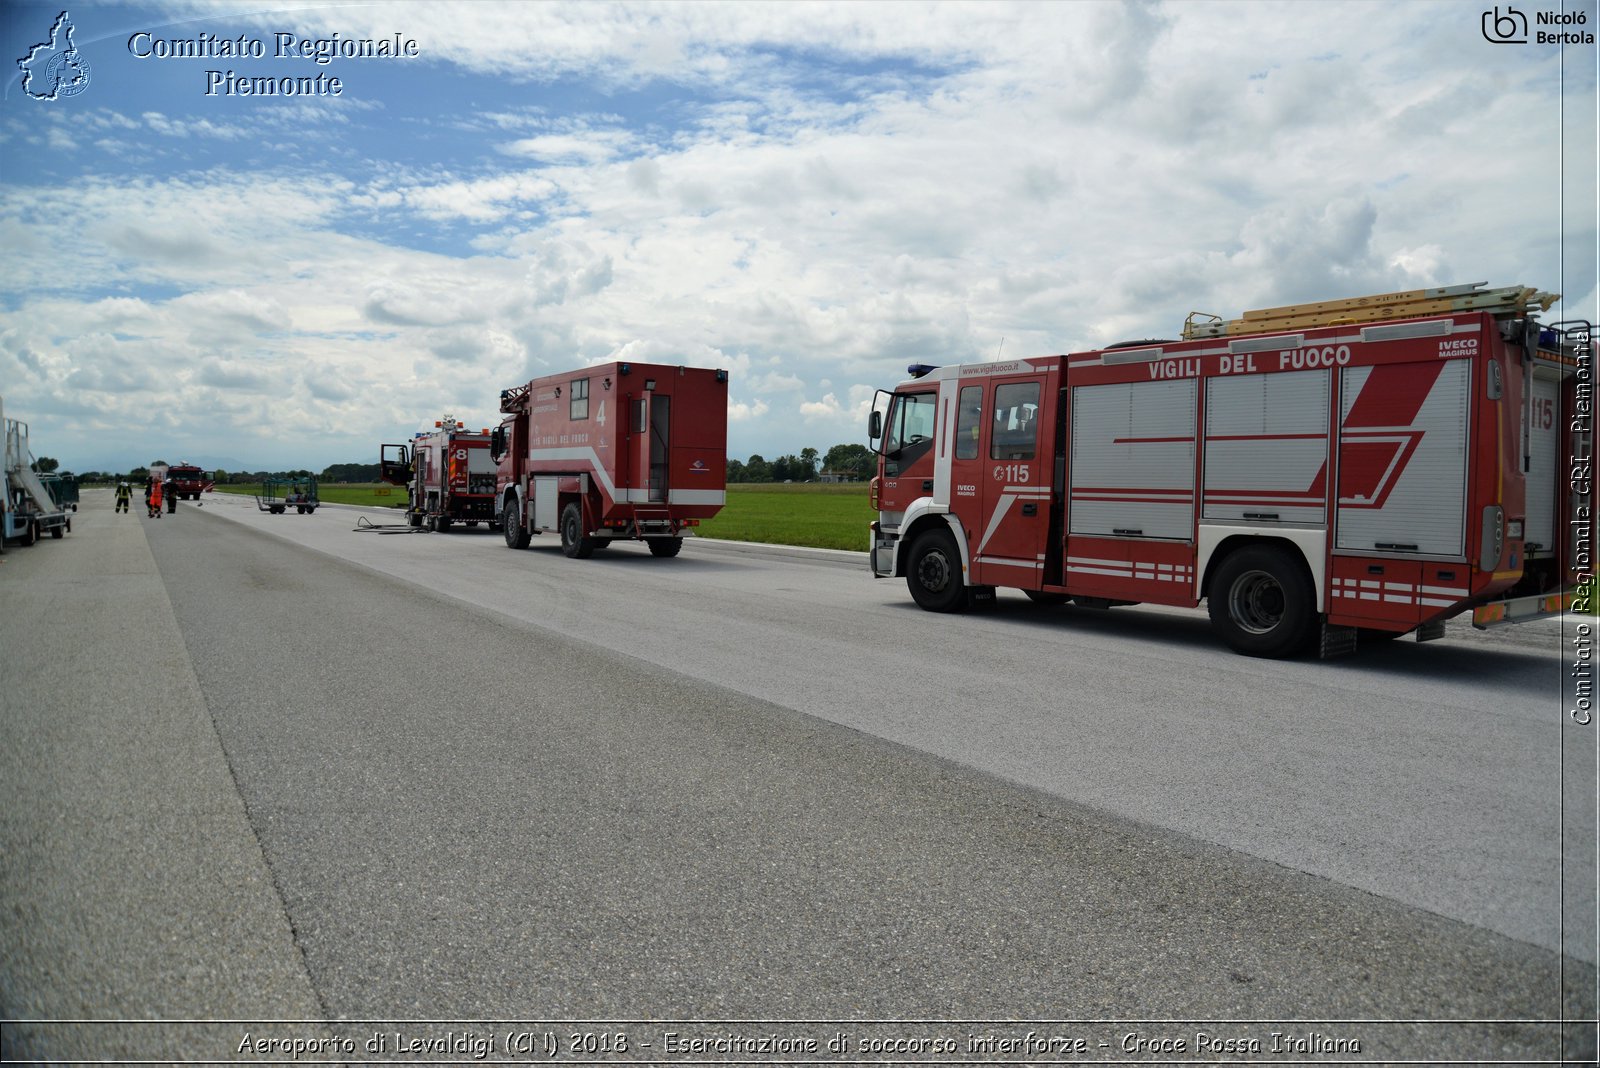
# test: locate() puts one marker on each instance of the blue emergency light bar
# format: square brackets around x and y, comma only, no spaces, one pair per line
[917,370]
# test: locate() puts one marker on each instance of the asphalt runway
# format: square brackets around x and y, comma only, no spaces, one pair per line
[668,792]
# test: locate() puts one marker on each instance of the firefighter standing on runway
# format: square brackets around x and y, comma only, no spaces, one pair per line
[124,495]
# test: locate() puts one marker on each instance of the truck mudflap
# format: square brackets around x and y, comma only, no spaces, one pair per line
[1523,609]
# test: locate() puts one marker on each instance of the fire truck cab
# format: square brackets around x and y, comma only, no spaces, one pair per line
[1367,468]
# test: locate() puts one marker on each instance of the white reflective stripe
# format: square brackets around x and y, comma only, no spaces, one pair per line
[1098,571]
[994,521]
[1029,564]
[678,496]
[581,454]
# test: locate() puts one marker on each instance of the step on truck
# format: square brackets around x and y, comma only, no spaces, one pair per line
[1318,475]
[448,475]
[617,450]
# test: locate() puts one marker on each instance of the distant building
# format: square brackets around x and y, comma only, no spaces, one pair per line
[839,476]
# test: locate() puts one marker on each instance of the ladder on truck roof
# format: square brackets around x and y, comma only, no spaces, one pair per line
[1406,304]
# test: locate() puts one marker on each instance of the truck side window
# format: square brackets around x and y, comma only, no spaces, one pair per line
[969,421]
[1016,421]
[579,399]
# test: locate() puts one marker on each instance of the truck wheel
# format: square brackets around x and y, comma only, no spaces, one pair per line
[444,523]
[58,532]
[573,542]
[516,535]
[664,546]
[1262,603]
[934,573]
[414,518]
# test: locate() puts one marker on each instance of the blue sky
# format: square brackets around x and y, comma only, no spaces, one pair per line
[810,196]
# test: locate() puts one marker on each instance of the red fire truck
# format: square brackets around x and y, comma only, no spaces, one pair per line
[1368,467]
[186,482]
[618,450]
[448,475]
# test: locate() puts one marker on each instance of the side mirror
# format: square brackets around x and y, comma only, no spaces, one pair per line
[497,443]
[875,425]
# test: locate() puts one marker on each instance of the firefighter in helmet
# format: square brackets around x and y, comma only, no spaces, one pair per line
[124,495]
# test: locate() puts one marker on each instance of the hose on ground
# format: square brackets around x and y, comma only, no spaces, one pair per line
[363,524]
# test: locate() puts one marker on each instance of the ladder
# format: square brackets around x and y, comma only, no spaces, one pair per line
[1406,304]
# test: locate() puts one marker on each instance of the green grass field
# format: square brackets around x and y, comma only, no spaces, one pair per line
[373,495]
[820,515]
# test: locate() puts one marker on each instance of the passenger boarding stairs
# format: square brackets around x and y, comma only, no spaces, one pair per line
[25,493]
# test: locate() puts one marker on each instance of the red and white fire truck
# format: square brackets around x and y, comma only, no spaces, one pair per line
[1367,467]
[617,450]
[448,475]
[185,482]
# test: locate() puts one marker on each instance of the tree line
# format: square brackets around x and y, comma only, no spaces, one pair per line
[845,463]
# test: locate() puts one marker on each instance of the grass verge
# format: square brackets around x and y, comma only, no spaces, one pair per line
[370,495]
[818,515]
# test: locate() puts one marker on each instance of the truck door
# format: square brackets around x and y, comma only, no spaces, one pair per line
[660,439]
[1013,477]
[652,426]
[907,452]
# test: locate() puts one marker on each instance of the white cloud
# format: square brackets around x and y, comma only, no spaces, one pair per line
[804,195]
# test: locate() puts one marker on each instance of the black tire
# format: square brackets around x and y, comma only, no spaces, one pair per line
[516,535]
[444,523]
[933,573]
[299,509]
[573,541]
[664,546]
[414,518]
[1262,603]
[1042,597]
[58,532]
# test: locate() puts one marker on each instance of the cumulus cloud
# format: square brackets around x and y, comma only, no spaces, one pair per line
[805,195]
